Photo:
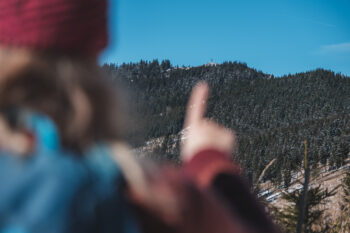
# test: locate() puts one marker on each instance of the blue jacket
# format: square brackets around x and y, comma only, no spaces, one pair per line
[56,191]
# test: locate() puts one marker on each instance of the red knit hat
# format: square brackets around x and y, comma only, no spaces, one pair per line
[65,26]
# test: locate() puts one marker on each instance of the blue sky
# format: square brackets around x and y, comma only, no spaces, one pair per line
[276,37]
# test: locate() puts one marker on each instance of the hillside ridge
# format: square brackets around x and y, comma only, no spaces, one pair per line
[272,116]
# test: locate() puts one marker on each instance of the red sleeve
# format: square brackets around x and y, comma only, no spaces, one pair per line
[207,164]
[212,170]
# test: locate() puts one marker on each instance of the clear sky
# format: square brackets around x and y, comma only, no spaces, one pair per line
[276,37]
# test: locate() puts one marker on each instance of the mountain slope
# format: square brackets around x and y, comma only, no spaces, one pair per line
[272,116]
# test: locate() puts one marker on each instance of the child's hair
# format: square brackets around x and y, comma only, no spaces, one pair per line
[73,92]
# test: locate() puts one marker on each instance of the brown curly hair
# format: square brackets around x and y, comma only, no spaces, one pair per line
[73,92]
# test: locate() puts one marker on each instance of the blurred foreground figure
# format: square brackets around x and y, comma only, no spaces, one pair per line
[63,167]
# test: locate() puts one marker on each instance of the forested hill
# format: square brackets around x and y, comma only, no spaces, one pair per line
[272,116]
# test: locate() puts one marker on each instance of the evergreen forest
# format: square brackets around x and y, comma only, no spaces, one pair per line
[272,116]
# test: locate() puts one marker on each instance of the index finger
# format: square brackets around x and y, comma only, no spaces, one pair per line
[197,104]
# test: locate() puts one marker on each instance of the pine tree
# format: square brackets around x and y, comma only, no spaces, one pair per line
[304,212]
[313,221]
